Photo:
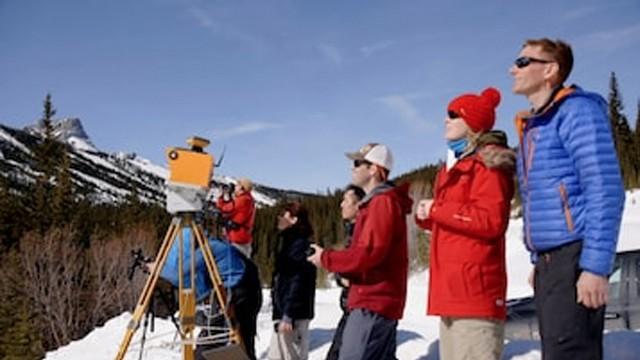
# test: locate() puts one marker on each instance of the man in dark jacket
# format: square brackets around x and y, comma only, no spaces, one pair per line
[376,263]
[349,210]
[572,199]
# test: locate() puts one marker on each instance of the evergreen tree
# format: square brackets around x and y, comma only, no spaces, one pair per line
[132,208]
[14,218]
[637,138]
[622,136]
[5,211]
[46,156]
[615,107]
[20,337]
[21,341]
[637,128]
[63,201]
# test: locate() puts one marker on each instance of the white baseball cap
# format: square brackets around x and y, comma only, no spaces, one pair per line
[374,153]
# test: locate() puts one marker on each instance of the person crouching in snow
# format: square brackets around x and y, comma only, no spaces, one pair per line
[468,218]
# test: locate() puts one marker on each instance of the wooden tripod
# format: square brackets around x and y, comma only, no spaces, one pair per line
[187,297]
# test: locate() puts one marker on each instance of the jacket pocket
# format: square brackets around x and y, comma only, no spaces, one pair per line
[494,280]
[565,205]
[462,280]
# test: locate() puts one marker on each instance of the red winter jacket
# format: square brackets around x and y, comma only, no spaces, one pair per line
[241,211]
[468,220]
[376,262]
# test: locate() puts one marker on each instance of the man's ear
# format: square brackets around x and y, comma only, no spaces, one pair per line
[373,170]
[551,72]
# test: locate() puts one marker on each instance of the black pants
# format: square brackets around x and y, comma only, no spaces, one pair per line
[568,330]
[334,350]
[246,299]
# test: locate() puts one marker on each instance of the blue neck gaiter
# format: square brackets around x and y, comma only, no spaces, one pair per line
[458,146]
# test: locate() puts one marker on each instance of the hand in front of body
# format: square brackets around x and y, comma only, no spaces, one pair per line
[285,326]
[316,256]
[532,277]
[424,206]
[592,289]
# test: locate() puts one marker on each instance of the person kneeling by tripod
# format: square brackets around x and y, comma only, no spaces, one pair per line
[241,281]
[237,208]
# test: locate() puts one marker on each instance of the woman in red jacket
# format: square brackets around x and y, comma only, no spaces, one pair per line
[468,218]
[239,213]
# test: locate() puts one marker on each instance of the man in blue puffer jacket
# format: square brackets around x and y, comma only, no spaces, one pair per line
[572,199]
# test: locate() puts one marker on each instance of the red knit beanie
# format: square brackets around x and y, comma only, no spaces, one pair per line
[479,112]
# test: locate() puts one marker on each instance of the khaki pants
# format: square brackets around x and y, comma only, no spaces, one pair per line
[291,346]
[471,339]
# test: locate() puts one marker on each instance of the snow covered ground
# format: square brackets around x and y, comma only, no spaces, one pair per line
[417,333]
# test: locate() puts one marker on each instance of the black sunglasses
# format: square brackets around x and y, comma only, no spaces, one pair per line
[524,61]
[453,114]
[357,163]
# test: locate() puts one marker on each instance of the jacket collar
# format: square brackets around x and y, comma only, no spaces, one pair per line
[556,98]
[376,190]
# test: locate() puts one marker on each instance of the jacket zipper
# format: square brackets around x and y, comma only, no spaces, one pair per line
[565,205]
[526,164]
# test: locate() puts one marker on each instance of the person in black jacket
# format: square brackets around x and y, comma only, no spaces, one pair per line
[349,209]
[293,286]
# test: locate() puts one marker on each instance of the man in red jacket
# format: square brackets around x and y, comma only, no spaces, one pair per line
[376,262]
[239,214]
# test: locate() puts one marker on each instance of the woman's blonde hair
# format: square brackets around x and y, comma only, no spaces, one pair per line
[473,138]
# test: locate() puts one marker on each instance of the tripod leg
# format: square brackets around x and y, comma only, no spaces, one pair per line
[147,291]
[216,280]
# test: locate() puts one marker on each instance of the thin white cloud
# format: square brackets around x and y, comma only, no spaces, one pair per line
[243,129]
[369,50]
[331,53]
[405,109]
[205,19]
[612,38]
[579,13]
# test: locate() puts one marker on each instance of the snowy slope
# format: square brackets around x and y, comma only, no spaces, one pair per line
[417,333]
[13,141]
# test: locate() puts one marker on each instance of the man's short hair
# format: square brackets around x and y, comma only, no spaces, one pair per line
[357,191]
[559,51]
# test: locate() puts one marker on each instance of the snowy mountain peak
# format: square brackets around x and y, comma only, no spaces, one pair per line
[69,130]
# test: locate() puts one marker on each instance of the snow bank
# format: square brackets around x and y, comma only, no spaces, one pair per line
[417,333]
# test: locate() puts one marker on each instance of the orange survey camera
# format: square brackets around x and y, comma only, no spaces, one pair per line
[191,166]
[190,172]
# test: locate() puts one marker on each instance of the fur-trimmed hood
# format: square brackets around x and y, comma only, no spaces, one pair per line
[494,151]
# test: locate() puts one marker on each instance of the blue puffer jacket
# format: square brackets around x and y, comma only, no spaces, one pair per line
[569,178]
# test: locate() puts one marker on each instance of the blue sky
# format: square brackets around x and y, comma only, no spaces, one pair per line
[289,86]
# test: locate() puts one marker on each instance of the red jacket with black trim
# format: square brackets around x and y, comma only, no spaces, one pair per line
[468,221]
[376,262]
[241,211]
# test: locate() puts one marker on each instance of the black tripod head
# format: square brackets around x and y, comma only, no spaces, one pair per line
[138,261]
